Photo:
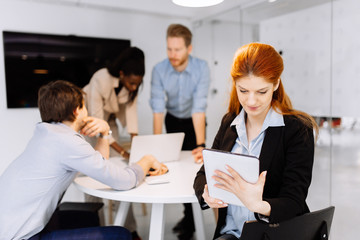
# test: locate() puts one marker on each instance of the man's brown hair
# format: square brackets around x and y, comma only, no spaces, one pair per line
[58,100]
[178,30]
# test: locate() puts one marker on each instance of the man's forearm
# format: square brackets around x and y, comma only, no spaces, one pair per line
[199,126]
[102,146]
[158,119]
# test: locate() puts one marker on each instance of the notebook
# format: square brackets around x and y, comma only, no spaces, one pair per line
[247,166]
[164,147]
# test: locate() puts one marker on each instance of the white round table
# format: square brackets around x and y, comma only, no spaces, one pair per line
[179,189]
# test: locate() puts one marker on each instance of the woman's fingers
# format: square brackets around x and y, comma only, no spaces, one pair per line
[222,177]
[262,178]
[233,173]
[212,202]
[231,183]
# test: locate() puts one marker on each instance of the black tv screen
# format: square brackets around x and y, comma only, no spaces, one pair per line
[32,60]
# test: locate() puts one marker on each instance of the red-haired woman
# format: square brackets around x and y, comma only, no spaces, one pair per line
[261,122]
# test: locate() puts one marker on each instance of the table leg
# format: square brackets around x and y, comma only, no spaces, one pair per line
[110,212]
[157,222]
[121,214]
[199,221]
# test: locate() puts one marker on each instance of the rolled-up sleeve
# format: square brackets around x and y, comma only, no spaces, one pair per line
[157,99]
[139,173]
[94,98]
[201,90]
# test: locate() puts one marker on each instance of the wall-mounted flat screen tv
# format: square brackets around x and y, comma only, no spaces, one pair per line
[33,59]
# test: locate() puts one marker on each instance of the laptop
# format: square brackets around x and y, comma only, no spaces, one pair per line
[164,147]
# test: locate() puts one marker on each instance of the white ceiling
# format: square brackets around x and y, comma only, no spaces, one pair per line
[159,7]
[261,10]
[254,9]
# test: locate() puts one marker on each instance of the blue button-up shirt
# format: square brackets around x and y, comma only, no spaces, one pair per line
[180,93]
[236,215]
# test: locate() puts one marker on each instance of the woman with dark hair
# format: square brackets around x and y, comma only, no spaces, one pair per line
[112,94]
[261,122]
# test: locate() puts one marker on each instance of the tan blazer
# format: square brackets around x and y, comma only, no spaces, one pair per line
[101,101]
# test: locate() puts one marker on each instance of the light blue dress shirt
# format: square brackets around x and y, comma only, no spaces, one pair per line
[180,93]
[236,215]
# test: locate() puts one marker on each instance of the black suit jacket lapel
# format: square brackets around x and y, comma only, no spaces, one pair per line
[271,142]
[269,147]
[229,139]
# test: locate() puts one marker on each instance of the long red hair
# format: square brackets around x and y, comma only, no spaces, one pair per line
[264,61]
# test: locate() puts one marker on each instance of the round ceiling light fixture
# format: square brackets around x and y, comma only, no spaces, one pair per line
[197,3]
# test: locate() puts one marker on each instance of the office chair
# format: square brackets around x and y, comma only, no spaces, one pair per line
[311,226]
[71,215]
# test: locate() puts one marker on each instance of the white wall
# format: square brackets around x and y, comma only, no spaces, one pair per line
[145,31]
[321,52]
[305,39]
[216,42]
[346,58]
[322,76]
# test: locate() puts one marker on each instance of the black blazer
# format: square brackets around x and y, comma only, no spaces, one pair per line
[287,154]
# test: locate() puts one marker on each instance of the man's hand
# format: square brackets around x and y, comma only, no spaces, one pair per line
[159,169]
[197,154]
[94,126]
[150,162]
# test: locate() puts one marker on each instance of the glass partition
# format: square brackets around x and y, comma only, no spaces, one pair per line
[345,99]
[319,43]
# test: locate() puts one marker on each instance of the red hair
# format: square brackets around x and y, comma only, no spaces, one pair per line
[264,61]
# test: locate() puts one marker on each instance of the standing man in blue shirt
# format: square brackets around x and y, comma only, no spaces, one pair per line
[179,86]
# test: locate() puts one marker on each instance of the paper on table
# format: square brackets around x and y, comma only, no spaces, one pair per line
[247,166]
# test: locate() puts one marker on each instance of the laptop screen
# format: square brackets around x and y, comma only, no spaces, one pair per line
[164,147]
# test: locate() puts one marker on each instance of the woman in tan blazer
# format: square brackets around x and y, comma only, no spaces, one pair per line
[112,94]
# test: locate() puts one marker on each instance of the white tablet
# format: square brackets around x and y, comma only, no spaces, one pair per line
[247,166]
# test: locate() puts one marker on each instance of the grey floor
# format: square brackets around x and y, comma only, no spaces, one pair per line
[336,181]
[173,213]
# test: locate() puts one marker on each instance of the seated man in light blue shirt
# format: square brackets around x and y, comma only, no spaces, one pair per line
[179,86]
[32,186]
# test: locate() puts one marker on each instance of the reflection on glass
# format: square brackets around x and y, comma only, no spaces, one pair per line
[319,42]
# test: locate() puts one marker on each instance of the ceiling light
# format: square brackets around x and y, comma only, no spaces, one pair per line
[270,1]
[197,3]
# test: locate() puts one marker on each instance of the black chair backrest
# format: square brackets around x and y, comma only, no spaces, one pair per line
[311,226]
